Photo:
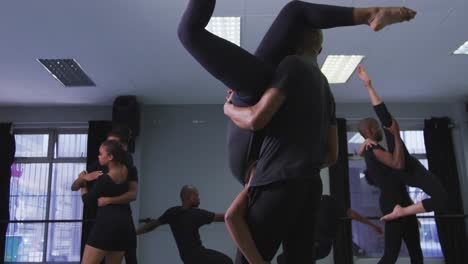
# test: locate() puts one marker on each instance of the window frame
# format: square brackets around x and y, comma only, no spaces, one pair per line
[51,160]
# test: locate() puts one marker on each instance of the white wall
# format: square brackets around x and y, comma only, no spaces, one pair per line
[55,114]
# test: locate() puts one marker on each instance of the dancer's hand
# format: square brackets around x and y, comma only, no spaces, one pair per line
[369,143]
[82,174]
[103,201]
[394,128]
[91,176]
[363,75]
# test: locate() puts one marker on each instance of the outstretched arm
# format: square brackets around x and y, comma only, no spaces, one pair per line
[356,216]
[148,227]
[255,117]
[374,98]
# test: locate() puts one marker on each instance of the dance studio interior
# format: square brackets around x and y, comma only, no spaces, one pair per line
[234,131]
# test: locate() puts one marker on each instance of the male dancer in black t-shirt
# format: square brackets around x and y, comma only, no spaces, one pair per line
[297,115]
[185,220]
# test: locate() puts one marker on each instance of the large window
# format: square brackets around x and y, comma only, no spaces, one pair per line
[46,163]
[365,199]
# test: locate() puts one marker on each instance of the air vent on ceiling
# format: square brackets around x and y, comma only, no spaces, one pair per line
[67,71]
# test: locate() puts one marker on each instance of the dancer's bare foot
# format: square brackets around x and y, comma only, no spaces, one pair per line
[397,213]
[385,16]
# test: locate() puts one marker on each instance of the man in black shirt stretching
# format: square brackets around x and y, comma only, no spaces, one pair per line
[185,221]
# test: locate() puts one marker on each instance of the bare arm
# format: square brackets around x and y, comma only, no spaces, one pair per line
[396,159]
[332,149]
[256,117]
[84,190]
[79,182]
[356,216]
[239,230]
[125,198]
[148,227]
[375,99]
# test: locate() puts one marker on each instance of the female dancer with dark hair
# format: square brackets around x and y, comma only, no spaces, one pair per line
[113,230]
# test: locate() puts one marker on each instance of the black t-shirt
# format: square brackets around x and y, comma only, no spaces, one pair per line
[296,138]
[330,213]
[105,187]
[388,180]
[184,224]
[132,170]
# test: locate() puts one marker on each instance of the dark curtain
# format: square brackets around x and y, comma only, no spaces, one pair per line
[339,188]
[97,133]
[7,155]
[442,163]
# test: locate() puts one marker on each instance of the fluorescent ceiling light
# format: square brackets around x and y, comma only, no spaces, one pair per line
[67,71]
[463,49]
[338,68]
[356,139]
[226,27]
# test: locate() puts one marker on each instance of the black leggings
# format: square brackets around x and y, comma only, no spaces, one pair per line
[247,74]
[406,229]
[418,176]
[322,250]
[285,213]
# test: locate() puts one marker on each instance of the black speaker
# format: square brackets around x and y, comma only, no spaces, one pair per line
[126,117]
